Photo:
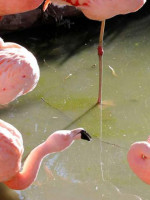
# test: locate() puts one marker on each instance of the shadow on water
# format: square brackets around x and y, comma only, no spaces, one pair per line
[7,194]
[81,116]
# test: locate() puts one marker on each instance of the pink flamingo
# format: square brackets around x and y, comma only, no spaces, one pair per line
[93,9]
[19,71]
[101,10]
[139,159]
[11,150]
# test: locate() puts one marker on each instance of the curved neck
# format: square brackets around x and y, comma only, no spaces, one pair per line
[30,168]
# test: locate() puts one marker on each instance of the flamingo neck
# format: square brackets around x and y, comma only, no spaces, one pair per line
[30,169]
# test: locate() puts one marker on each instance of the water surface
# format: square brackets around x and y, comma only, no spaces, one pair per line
[65,98]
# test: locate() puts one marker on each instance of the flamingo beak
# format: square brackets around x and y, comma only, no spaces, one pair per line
[85,135]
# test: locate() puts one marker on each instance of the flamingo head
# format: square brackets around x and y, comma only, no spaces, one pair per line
[139,160]
[62,139]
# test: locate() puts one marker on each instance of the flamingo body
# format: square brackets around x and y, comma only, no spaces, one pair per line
[93,9]
[103,9]
[19,71]
[139,160]
[8,7]
[11,150]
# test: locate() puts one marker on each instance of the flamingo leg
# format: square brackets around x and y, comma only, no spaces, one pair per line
[100,54]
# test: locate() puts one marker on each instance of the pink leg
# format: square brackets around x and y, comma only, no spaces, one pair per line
[100,54]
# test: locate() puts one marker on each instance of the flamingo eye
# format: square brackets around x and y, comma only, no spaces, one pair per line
[143,157]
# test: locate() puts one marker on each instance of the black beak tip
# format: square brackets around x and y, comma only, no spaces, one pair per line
[85,136]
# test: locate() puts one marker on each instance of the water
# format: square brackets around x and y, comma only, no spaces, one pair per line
[65,98]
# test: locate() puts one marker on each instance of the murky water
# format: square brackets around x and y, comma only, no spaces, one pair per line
[65,98]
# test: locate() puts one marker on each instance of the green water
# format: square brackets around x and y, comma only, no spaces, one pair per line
[65,98]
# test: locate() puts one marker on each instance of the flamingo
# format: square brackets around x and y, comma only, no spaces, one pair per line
[139,159]
[19,71]
[101,10]
[11,150]
[93,9]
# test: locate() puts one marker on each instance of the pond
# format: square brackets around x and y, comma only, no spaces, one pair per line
[65,99]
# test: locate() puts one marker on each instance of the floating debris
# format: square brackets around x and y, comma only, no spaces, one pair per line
[54,117]
[93,66]
[113,71]
[68,76]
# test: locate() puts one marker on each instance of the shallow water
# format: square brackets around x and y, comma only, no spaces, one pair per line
[65,98]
